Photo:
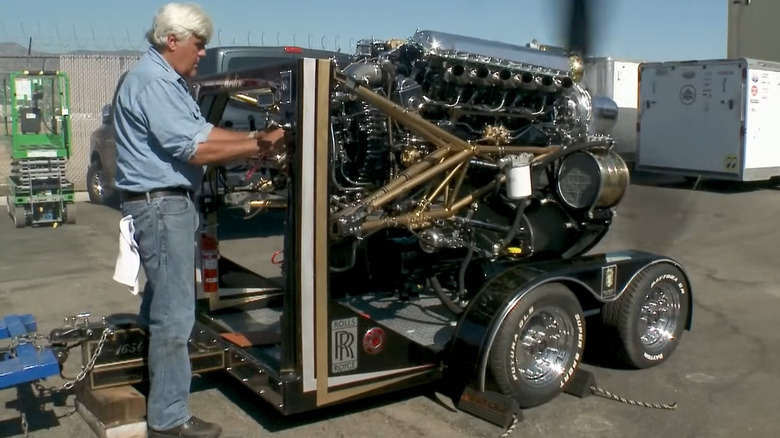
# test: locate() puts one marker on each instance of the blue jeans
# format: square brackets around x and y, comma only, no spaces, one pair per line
[165,232]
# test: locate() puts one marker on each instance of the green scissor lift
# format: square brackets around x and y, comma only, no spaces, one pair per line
[39,127]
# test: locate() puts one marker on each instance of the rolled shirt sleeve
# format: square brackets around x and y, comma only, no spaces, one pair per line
[157,128]
[173,118]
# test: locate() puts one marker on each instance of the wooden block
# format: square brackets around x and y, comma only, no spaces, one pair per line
[114,406]
[135,429]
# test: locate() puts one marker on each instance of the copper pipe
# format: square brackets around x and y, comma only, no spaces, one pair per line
[425,176]
[405,176]
[475,194]
[542,157]
[515,149]
[244,98]
[419,219]
[427,200]
[268,204]
[458,184]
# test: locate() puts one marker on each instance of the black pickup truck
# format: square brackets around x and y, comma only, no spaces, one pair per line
[102,149]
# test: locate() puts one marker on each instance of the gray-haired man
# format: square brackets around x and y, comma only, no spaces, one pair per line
[163,143]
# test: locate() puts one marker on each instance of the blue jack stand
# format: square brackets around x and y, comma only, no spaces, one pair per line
[27,362]
[24,362]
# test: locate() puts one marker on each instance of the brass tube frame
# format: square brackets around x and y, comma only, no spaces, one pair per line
[450,159]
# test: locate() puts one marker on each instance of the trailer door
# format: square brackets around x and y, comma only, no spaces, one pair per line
[690,117]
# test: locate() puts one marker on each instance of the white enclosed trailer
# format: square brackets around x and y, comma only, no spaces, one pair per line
[618,80]
[711,118]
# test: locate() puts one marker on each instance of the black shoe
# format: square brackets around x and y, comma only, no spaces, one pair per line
[192,428]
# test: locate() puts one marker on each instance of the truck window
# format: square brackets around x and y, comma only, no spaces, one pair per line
[237,116]
[246,62]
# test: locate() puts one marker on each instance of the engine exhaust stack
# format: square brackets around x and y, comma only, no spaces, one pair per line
[502,78]
[479,75]
[548,84]
[525,81]
[455,74]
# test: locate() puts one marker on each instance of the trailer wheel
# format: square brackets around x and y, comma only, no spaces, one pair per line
[539,346]
[649,317]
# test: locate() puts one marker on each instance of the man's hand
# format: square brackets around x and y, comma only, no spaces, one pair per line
[270,142]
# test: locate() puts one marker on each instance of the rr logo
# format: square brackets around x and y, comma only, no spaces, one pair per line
[343,347]
[343,339]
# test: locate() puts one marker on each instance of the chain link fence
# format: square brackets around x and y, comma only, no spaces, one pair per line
[93,79]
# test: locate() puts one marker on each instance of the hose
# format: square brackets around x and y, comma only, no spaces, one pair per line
[445,300]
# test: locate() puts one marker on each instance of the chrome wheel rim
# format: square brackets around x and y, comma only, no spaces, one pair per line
[659,316]
[544,346]
[97,184]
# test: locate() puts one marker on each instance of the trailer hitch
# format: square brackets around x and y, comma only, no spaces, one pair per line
[77,329]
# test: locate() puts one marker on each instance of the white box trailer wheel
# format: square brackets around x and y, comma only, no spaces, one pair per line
[712,118]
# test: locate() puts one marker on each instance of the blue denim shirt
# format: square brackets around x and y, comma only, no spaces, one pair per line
[157,127]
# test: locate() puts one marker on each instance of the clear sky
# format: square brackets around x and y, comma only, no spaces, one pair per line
[632,29]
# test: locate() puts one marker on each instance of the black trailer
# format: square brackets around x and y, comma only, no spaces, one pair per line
[327,332]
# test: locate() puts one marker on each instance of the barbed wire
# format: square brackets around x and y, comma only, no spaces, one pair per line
[61,39]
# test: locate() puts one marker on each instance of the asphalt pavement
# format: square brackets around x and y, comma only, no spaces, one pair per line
[724,377]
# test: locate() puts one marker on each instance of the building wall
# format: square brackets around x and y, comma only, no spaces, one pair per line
[753,29]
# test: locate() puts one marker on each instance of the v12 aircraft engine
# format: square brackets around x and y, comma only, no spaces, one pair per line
[497,99]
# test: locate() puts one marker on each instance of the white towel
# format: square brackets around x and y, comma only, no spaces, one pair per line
[128,262]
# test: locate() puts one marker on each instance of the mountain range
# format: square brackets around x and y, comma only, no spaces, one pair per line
[14,49]
[14,57]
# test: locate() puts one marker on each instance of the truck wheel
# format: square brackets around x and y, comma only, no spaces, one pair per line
[649,317]
[539,346]
[98,187]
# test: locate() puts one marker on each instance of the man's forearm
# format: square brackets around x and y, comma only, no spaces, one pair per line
[221,151]
[222,134]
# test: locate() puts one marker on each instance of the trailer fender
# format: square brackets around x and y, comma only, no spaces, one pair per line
[593,279]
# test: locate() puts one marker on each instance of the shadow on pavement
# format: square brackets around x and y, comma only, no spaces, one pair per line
[272,421]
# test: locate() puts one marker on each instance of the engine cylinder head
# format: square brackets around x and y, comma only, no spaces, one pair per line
[365,73]
[548,84]
[502,78]
[455,74]
[525,81]
[479,75]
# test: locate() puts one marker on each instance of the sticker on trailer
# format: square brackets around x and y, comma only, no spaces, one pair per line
[343,334]
[687,94]
[730,162]
[608,277]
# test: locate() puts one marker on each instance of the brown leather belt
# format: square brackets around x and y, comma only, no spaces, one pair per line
[156,193]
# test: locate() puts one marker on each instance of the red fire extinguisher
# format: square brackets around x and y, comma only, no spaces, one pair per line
[210,258]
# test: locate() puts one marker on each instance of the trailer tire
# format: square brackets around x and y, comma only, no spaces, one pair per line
[639,347]
[519,341]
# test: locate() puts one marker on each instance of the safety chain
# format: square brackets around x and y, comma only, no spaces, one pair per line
[511,428]
[606,394]
[31,338]
[601,392]
[25,426]
[17,341]
[85,370]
